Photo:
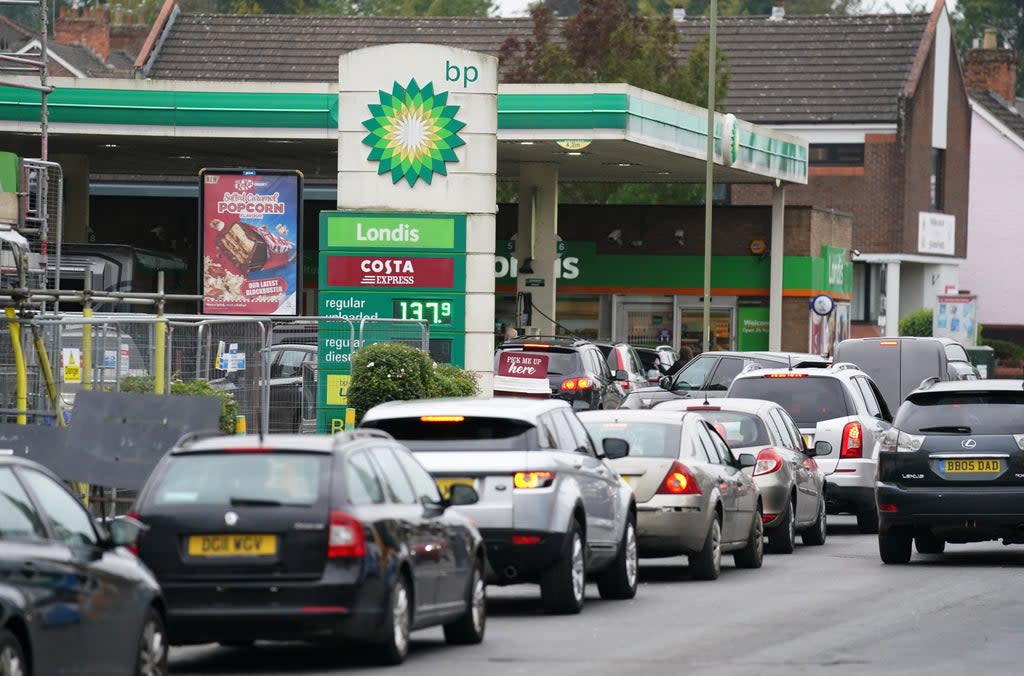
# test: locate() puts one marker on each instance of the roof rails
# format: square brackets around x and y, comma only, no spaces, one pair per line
[355,435]
[196,435]
[928,382]
[845,365]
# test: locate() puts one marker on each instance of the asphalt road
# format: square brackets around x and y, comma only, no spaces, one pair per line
[822,610]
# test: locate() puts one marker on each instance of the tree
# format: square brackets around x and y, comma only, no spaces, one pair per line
[609,41]
[1006,16]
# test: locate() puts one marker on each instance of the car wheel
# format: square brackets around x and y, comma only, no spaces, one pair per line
[152,651]
[929,544]
[562,586]
[867,520]
[621,578]
[752,555]
[395,647]
[12,656]
[782,536]
[816,534]
[469,629]
[707,564]
[894,545]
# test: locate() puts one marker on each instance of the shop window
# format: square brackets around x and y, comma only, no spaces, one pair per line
[837,154]
[868,285]
[938,177]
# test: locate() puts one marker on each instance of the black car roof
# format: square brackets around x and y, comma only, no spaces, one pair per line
[306,443]
[554,341]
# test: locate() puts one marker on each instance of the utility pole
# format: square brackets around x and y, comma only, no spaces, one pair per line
[710,173]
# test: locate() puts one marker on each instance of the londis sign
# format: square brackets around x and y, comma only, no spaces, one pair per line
[370,231]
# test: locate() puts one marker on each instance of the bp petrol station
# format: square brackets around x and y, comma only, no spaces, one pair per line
[422,135]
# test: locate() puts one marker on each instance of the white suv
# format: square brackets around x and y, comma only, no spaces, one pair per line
[841,405]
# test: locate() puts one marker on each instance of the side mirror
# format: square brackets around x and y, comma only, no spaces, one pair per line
[615,448]
[621,375]
[461,494]
[746,460]
[126,531]
[820,448]
[665,383]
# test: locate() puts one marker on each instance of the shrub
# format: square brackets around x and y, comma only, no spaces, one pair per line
[196,388]
[451,381]
[917,323]
[1004,350]
[385,372]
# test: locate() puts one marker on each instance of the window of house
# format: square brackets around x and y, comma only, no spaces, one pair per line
[837,154]
[938,179]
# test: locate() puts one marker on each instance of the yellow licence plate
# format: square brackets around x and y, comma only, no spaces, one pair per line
[972,466]
[446,485]
[232,545]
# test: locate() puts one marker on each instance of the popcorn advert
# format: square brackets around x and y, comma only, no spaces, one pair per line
[251,225]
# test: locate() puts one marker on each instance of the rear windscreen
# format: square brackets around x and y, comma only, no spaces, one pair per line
[559,363]
[738,429]
[963,413]
[226,478]
[646,440]
[809,400]
[457,433]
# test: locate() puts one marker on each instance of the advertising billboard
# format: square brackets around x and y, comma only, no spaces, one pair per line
[251,238]
[956,317]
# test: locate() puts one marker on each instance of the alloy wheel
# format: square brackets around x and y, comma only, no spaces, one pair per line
[759,534]
[716,545]
[151,650]
[479,601]
[11,663]
[632,562]
[400,618]
[578,573]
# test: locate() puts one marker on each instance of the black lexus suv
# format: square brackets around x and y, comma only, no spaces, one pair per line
[951,469]
[577,371]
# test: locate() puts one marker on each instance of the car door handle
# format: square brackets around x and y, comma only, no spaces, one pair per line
[602,471]
[28,569]
[577,464]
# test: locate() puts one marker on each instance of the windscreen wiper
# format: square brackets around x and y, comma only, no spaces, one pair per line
[254,502]
[959,429]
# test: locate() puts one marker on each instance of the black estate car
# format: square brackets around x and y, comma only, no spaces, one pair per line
[303,537]
[951,469]
[577,371]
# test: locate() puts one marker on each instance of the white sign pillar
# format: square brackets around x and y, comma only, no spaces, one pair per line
[776,253]
[537,242]
[436,153]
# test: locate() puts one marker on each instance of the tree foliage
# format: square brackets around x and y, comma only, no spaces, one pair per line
[916,323]
[1006,16]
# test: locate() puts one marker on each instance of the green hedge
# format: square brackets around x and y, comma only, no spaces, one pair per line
[196,388]
[1004,350]
[385,372]
[917,323]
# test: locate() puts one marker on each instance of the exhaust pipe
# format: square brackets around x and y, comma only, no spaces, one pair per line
[510,572]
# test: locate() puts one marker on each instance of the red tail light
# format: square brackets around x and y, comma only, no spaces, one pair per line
[345,538]
[573,384]
[679,481]
[852,443]
[768,461]
[134,549]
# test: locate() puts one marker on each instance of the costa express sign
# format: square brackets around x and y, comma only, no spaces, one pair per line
[396,272]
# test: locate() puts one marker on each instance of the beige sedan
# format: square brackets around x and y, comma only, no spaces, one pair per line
[693,497]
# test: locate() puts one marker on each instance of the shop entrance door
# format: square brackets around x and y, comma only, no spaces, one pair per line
[723,327]
[645,324]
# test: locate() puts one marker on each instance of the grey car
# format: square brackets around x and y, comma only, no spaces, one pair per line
[693,497]
[791,482]
[551,511]
[841,405]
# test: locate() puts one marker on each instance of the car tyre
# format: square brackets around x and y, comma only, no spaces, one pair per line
[398,622]
[752,555]
[894,545]
[621,578]
[563,585]
[707,563]
[782,536]
[151,659]
[818,532]
[469,629]
[929,544]
[867,520]
[12,655]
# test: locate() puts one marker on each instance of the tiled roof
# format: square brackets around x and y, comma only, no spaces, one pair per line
[1001,110]
[13,35]
[801,69]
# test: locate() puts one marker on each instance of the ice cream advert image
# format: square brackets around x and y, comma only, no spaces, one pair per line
[250,234]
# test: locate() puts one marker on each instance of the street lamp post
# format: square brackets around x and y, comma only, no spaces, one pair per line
[710,171]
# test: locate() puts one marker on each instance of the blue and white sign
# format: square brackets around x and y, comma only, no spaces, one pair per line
[823,305]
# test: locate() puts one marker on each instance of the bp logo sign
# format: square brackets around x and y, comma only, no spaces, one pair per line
[413,133]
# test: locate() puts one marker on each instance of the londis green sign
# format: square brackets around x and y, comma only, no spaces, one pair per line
[409,232]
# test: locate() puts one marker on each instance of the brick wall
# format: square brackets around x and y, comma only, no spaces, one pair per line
[795,324]
[991,69]
[90,27]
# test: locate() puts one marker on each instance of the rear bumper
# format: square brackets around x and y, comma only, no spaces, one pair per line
[775,497]
[204,612]
[994,509]
[669,525]
[510,563]
[840,499]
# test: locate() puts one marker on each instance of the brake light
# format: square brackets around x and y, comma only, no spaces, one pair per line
[542,346]
[704,408]
[679,481]
[888,507]
[768,461]
[852,443]
[525,539]
[533,479]
[787,374]
[248,449]
[134,549]
[442,418]
[345,538]
[574,384]
[888,343]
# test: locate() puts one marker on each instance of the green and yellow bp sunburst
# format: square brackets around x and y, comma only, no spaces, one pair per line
[413,133]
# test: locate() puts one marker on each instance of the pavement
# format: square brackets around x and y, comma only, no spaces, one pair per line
[832,610]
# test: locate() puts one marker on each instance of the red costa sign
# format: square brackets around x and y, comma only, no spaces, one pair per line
[392,271]
[523,365]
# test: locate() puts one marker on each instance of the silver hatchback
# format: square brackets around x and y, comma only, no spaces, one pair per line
[692,495]
[551,508]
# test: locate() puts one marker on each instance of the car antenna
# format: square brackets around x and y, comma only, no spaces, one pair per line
[789,358]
